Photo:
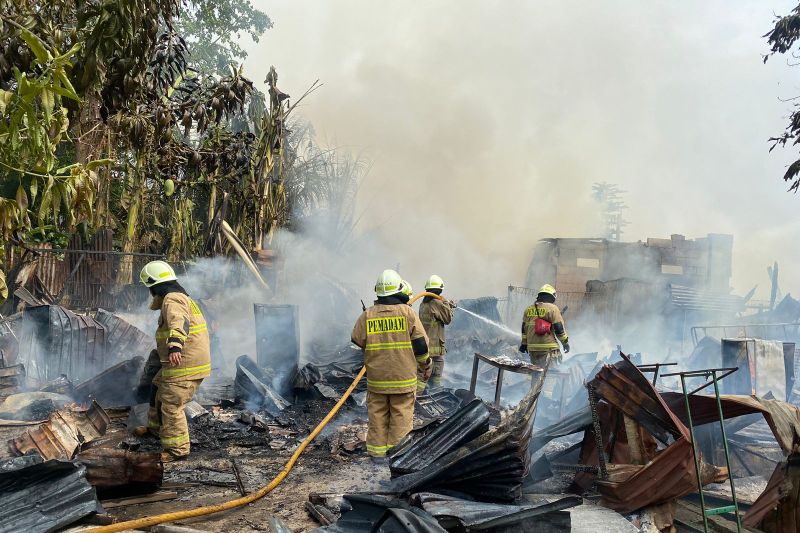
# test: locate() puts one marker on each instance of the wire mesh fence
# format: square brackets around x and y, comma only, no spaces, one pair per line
[519,298]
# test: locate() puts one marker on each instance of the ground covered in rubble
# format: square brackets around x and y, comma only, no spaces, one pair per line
[259,449]
[198,483]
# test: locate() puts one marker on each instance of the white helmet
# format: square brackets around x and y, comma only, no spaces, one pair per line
[156,272]
[434,282]
[407,290]
[389,283]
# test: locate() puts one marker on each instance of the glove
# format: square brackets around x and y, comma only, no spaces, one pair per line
[427,373]
[566,347]
[523,348]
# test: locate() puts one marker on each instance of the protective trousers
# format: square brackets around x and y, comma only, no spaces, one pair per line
[390,419]
[436,377]
[166,417]
[438,370]
[544,359]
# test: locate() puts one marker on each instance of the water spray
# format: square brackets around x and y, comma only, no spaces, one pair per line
[503,327]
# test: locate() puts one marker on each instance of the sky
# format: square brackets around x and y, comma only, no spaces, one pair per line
[487,122]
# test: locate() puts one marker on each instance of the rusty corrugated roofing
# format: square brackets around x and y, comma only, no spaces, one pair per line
[667,475]
[63,434]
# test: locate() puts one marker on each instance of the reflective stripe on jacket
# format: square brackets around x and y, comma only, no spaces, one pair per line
[547,342]
[435,315]
[182,327]
[385,333]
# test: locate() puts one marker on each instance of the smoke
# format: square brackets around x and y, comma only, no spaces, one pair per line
[488,122]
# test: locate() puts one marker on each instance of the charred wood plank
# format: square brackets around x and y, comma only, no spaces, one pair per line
[320,513]
[114,467]
[136,500]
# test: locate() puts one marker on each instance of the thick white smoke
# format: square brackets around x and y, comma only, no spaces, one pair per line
[488,122]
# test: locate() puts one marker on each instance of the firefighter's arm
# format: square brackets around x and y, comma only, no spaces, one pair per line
[419,343]
[523,346]
[359,334]
[443,312]
[560,330]
[176,314]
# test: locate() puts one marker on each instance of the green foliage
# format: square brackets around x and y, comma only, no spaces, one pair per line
[35,121]
[213,29]
[151,129]
[783,38]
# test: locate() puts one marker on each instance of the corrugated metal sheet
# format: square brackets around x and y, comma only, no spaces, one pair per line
[693,299]
[467,423]
[114,386]
[11,379]
[490,467]
[52,270]
[777,509]
[63,434]
[666,476]
[453,512]
[45,497]
[58,341]
[783,418]
[124,340]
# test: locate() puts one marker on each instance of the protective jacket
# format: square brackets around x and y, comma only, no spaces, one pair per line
[435,315]
[386,333]
[182,328]
[546,342]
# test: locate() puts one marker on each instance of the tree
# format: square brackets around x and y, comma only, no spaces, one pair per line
[121,131]
[609,197]
[213,29]
[783,38]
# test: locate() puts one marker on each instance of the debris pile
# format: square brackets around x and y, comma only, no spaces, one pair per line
[611,439]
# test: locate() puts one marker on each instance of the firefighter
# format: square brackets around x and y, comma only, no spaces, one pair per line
[542,324]
[184,352]
[435,315]
[395,347]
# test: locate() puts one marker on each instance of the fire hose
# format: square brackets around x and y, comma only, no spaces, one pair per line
[263,491]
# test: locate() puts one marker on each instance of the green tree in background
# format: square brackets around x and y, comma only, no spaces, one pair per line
[783,38]
[134,115]
[213,28]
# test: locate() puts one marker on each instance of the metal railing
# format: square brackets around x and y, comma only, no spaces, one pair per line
[780,332]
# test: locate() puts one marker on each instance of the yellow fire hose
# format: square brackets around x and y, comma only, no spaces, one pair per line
[263,491]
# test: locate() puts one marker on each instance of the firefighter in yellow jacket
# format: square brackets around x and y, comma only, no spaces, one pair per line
[543,328]
[395,346]
[435,315]
[185,354]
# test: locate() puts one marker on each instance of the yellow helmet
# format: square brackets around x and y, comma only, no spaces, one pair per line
[548,289]
[434,282]
[156,272]
[389,283]
[407,290]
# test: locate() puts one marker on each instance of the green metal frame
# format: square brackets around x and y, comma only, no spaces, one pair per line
[712,373]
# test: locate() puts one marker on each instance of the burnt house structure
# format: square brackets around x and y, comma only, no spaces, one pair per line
[703,263]
[624,287]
